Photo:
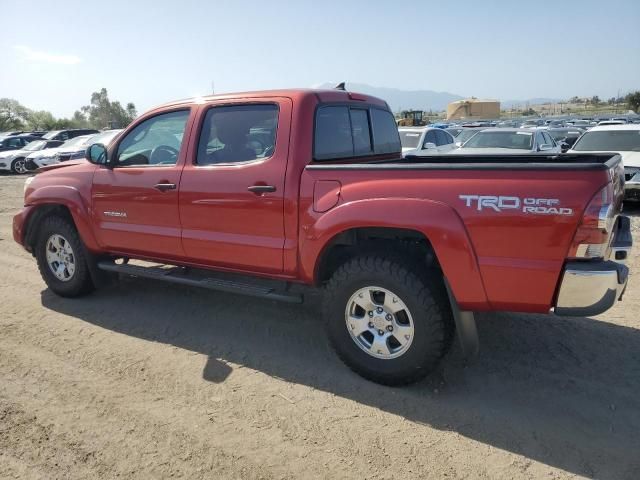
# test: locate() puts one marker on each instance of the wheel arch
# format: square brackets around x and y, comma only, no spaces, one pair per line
[435,225]
[63,201]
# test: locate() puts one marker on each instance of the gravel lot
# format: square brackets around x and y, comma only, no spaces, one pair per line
[147,380]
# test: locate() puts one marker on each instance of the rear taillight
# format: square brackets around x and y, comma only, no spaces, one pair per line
[593,236]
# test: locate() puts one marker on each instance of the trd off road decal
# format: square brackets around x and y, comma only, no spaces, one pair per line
[539,206]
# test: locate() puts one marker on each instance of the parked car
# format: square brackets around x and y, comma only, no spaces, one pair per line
[47,156]
[509,140]
[466,134]
[405,250]
[15,142]
[14,160]
[417,139]
[78,150]
[68,134]
[611,122]
[454,131]
[566,136]
[533,123]
[624,139]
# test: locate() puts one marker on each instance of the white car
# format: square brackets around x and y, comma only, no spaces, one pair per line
[48,155]
[78,150]
[623,139]
[14,160]
[522,141]
[425,141]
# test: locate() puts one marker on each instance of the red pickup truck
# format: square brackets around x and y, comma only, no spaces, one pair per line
[274,193]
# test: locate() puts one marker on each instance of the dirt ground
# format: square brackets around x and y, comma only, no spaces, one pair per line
[147,380]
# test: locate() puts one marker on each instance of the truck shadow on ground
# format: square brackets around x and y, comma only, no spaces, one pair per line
[562,391]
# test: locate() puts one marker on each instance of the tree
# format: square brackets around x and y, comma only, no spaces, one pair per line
[633,101]
[103,113]
[41,120]
[13,115]
[595,100]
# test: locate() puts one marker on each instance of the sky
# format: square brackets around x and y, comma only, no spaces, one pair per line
[53,55]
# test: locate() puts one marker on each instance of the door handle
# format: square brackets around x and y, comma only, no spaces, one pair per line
[163,187]
[260,189]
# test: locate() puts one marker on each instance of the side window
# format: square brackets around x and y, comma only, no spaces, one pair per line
[238,133]
[333,137]
[63,136]
[430,137]
[156,141]
[540,139]
[448,138]
[360,131]
[548,139]
[15,142]
[441,138]
[386,138]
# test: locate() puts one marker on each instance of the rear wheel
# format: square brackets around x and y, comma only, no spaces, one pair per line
[18,165]
[61,258]
[387,322]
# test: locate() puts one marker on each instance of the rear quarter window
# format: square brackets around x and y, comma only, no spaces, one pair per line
[343,131]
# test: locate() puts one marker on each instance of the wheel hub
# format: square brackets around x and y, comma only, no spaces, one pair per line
[60,257]
[379,322]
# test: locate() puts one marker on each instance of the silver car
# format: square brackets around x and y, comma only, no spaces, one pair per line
[509,140]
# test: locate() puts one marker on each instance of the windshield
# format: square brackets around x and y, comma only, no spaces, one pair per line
[409,139]
[488,139]
[465,135]
[614,140]
[76,142]
[50,135]
[105,137]
[33,146]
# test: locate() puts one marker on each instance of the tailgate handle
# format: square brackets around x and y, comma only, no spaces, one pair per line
[260,189]
[163,187]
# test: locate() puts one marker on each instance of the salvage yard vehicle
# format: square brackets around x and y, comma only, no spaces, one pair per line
[623,139]
[509,141]
[432,140]
[276,193]
[14,160]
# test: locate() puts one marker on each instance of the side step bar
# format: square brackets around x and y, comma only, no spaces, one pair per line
[182,276]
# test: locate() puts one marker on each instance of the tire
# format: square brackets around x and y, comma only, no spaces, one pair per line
[76,277]
[424,306]
[18,165]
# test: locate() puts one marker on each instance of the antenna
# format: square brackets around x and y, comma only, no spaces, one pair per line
[340,86]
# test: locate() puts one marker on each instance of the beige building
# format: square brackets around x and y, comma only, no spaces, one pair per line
[471,108]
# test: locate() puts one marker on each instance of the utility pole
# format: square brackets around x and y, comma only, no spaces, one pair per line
[213,87]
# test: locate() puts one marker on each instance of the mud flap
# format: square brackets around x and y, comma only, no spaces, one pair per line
[465,326]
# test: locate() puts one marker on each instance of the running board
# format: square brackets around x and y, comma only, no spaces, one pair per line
[183,276]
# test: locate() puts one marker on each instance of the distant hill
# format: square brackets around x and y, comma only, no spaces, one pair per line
[404,99]
[426,99]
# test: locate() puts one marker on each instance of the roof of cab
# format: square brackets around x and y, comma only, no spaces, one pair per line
[294,93]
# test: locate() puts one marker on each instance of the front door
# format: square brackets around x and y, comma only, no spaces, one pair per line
[135,198]
[232,187]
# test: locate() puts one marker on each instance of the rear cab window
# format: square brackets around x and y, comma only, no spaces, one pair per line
[347,131]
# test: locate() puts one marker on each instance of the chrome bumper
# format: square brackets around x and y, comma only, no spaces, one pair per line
[592,287]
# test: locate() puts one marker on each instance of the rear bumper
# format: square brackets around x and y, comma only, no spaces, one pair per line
[592,287]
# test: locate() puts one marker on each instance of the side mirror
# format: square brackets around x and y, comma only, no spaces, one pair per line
[545,147]
[429,145]
[564,146]
[97,154]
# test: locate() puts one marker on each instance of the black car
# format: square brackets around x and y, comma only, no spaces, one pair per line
[15,142]
[68,134]
[566,135]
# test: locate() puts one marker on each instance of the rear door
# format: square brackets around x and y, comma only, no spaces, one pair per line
[232,186]
[135,200]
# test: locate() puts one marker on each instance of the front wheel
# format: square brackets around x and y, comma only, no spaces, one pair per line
[386,322]
[61,258]
[19,166]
